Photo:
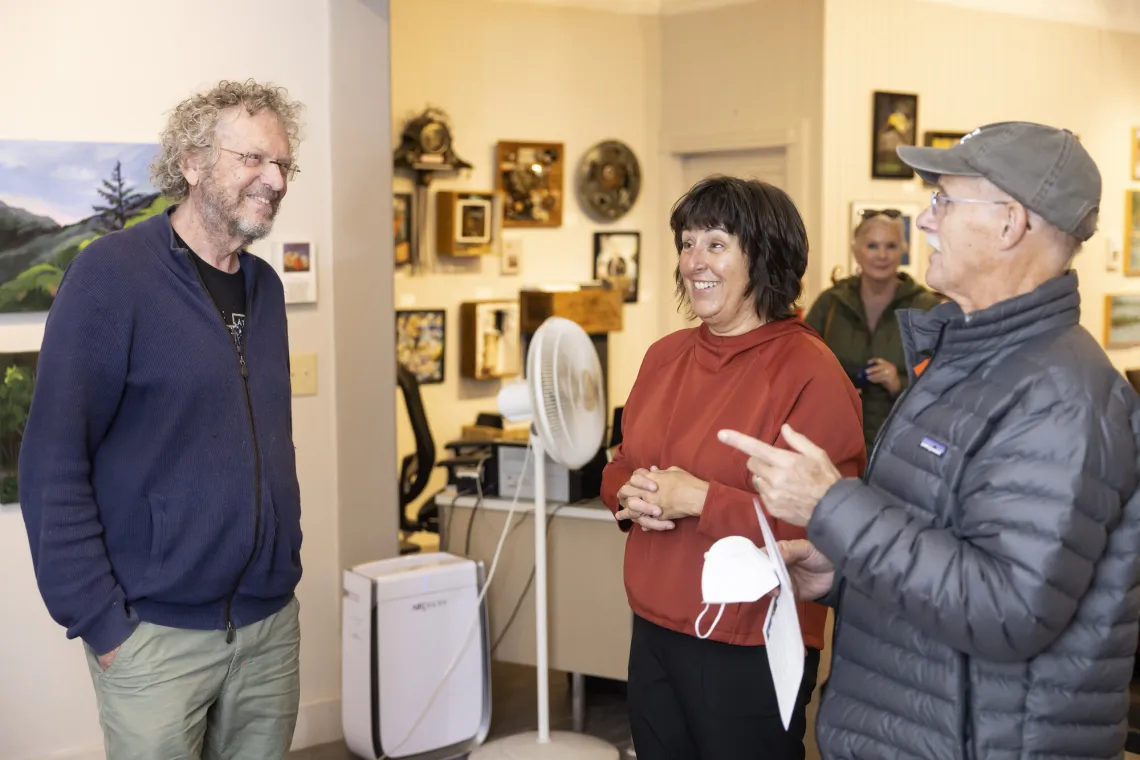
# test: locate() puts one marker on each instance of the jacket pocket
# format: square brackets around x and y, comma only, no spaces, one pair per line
[157,508]
[285,557]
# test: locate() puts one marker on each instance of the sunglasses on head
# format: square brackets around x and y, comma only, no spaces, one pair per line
[890,213]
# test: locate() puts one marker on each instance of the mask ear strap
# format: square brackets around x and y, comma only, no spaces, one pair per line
[697,625]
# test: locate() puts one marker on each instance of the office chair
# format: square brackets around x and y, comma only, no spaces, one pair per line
[416,469]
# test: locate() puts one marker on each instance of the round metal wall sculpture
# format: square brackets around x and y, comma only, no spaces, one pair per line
[609,180]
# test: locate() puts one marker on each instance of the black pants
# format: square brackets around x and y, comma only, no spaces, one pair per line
[695,699]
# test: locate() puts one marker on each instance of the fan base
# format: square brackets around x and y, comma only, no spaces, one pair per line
[563,745]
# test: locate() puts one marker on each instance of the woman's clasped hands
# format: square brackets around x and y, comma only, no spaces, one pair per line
[655,499]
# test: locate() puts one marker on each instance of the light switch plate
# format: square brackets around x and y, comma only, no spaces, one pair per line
[303,374]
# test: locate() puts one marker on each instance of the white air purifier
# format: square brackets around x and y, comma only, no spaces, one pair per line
[415,634]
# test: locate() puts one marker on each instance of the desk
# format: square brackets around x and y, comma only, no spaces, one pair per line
[589,619]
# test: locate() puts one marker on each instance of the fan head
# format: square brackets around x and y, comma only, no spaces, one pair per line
[563,393]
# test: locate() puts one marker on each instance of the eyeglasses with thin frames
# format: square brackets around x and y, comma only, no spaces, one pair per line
[289,170]
[940,199]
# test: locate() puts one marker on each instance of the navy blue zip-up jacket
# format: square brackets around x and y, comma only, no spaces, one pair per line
[157,482]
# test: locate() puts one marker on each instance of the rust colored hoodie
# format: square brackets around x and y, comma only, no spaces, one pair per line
[692,384]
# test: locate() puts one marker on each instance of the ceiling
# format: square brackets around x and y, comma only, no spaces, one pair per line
[1120,15]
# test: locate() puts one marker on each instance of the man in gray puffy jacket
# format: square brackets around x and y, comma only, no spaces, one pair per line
[984,570]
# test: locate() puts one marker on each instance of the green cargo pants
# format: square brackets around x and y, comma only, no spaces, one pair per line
[174,694]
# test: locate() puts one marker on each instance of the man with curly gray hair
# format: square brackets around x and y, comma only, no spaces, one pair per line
[157,476]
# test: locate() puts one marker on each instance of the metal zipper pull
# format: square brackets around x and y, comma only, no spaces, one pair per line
[229,632]
[241,360]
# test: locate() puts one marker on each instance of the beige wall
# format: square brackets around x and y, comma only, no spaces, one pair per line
[58,87]
[516,71]
[742,74]
[970,67]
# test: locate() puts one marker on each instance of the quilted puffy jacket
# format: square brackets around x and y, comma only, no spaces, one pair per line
[987,599]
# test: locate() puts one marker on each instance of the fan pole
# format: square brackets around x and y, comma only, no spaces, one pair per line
[540,589]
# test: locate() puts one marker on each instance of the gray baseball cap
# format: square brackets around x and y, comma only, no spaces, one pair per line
[1045,169]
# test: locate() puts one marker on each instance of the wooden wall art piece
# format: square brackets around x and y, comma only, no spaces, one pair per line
[465,222]
[529,174]
[609,180]
[489,339]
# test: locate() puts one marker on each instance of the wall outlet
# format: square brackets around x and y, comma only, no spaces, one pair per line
[303,374]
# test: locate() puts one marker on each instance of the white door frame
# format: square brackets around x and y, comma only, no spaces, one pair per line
[796,144]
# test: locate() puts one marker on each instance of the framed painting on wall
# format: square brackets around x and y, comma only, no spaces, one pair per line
[942,140]
[403,226]
[617,256]
[894,123]
[1135,153]
[1122,320]
[906,213]
[529,174]
[58,197]
[1132,233]
[421,339]
[17,380]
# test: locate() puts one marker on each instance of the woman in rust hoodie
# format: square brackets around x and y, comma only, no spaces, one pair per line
[751,366]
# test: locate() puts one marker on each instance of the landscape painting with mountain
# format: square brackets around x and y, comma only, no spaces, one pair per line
[58,197]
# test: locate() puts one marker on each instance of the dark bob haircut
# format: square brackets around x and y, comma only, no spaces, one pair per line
[771,233]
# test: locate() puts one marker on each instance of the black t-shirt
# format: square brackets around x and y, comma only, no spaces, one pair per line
[227,290]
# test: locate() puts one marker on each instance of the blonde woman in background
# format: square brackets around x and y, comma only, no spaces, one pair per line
[856,316]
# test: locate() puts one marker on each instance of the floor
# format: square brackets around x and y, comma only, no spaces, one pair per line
[513,696]
[513,711]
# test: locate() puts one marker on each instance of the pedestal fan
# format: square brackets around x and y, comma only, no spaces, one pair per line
[564,398]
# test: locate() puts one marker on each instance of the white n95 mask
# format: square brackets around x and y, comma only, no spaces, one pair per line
[735,571]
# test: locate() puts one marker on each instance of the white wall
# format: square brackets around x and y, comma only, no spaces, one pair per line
[522,71]
[107,71]
[970,67]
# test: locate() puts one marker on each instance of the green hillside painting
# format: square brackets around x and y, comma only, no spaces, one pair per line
[55,199]
[17,379]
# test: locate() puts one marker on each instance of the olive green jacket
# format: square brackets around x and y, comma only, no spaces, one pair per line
[838,316]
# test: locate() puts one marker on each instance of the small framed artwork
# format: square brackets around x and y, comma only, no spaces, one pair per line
[466,222]
[901,215]
[529,174]
[510,256]
[894,123]
[617,256]
[1135,153]
[403,225]
[474,221]
[942,140]
[421,340]
[1132,233]
[297,265]
[1122,320]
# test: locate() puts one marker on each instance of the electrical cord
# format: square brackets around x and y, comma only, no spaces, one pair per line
[478,610]
[526,588]
[475,509]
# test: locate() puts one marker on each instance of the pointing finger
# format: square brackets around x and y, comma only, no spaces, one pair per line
[753,447]
[800,442]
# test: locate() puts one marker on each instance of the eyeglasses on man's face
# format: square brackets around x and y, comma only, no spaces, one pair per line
[289,170]
[940,200]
